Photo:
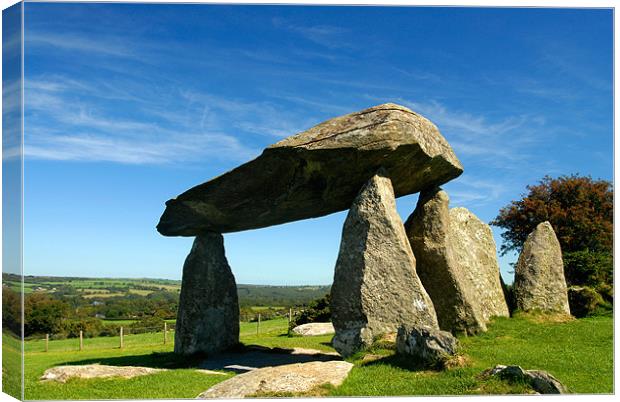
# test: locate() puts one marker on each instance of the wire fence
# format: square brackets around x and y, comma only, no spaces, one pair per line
[128,335]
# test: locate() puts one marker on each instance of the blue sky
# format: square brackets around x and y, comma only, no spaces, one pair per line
[130,105]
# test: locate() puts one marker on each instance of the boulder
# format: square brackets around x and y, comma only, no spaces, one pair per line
[317,172]
[427,346]
[314,329]
[286,379]
[539,282]
[376,288]
[208,316]
[541,381]
[457,263]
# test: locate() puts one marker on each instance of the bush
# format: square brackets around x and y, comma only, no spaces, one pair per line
[588,268]
[90,327]
[317,311]
[147,324]
[583,301]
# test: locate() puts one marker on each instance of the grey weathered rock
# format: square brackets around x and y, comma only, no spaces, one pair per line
[541,381]
[290,378]
[314,328]
[208,317]
[376,288]
[539,274]
[427,346]
[457,263]
[64,373]
[474,248]
[317,172]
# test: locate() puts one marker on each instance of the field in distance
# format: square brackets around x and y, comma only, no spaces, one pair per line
[102,288]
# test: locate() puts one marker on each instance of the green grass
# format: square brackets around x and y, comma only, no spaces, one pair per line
[11,365]
[579,353]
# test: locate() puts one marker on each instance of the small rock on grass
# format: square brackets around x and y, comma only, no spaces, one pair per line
[541,381]
[314,329]
[427,346]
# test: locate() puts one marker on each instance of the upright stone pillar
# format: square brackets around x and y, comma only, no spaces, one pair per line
[457,263]
[539,274]
[208,317]
[428,230]
[376,288]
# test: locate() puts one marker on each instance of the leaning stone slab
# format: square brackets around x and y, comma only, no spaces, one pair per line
[317,172]
[208,316]
[474,248]
[539,274]
[314,329]
[289,379]
[63,373]
[376,288]
[457,263]
[427,346]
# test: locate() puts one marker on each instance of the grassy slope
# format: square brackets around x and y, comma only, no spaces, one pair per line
[579,353]
[11,365]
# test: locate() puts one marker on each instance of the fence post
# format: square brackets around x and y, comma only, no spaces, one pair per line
[81,341]
[165,331]
[290,316]
[258,324]
[121,333]
[47,341]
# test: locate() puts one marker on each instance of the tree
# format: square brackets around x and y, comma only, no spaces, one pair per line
[581,212]
[43,314]
[11,310]
[579,209]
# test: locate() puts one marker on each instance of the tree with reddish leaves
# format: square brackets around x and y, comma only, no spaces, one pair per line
[579,209]
[581,212]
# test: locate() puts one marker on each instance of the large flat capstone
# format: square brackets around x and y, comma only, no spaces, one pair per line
[317,172]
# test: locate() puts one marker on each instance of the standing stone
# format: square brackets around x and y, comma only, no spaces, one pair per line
[456,263]
[474,248]
[376,287]
[539,275]
[208,317]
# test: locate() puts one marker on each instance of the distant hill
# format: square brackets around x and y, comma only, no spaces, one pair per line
[95,288]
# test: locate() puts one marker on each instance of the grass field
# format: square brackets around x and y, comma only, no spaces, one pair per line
[11,365]
[579,353]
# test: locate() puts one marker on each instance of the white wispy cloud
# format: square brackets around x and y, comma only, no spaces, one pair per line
[70,119]
[329,36]
[106,46]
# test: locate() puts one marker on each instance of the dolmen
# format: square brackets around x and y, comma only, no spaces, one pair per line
[360,162]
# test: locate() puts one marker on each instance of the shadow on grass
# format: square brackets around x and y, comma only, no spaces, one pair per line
[240,358]
[399,361]
[168,360]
